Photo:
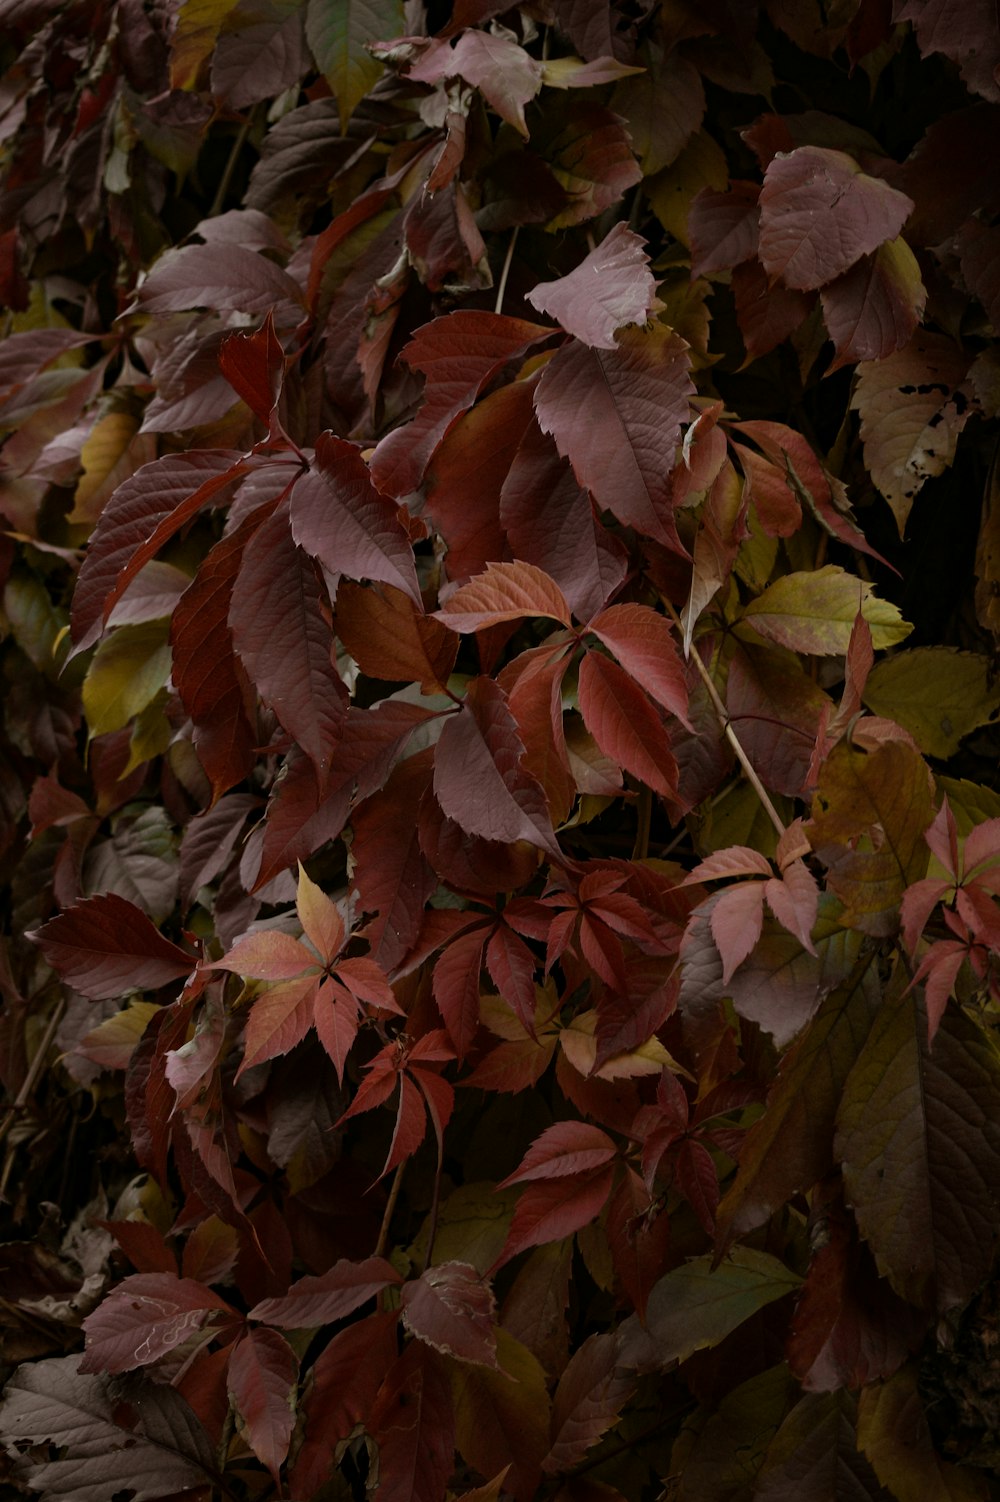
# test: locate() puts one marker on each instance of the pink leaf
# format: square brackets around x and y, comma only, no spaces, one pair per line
[735,860]
[225,278]
[820,213]
[451,1308]
[505,592]
[261,1377]
[267,955]
[330,1297]
[105,945]
[279,1019]
[562,1151]
[723,228]
[611,287]
[144,1317]
[736,922]
[794,901]
[506,75]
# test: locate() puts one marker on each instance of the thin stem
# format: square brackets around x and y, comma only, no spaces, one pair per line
[508,258]
[644,814]
[35,1069]
[435,1206]
[390,1206]
[722,715]
[239,141]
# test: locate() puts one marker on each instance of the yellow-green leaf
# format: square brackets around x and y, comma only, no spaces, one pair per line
[128,671]
[195,34]
[814,613]
[337,31]
[894,1434]
[938,694]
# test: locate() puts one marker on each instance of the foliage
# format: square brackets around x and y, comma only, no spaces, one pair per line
[500,569]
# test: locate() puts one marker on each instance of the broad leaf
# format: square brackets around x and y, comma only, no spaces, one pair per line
[412,1423]
[105,945]
[613,286]
[145,1317]
[339,32]
[505,592]
[502,1417]
[261,1377]
[815,612]
[450,1308]
[625,725]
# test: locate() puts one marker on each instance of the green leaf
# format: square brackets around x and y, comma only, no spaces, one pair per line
[938,694]
[869,816]
[815,1454]
[337,31]
[791,1146]
[893,1433]
[129,668]
[728,1452]
[814,612]
[695,1306]
[502,1417]
[918,1133]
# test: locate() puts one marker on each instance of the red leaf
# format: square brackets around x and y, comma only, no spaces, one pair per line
[207,674]
[611,287]
[591,1394]
[254,364]
[144,511]
[459,354]
[144,1317]
[330,1297]
[104,945]
[388,638]
[967,34]
[696,1179]
[563,1150]
[624,723]
[550,1211]
[456,987]
[391,876]
[512,968]
[767,314]
[638,1239]
[643,643]
[451,1308]
[279,1019]
[617,417]
[262,1376]
[723,228]
[479,776]
[345,1379]
[735,860]
[267,955]
[143,1245]
[336,1018]
[535,701]
[505,592]
[340,518]
[412,1422]
[736,922]
[819,213]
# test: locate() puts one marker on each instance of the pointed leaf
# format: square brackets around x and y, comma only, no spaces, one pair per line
[505,592]
[261,1377]
[104,946]
[412,1422]
[502,1417]
[451,1308]
[625,725]
[339,34]
[389,638]
[144,1317]
[611,287]
[332,1296]
[643,642]
[815,612]
[506,75]
[254,364]
[568,1148]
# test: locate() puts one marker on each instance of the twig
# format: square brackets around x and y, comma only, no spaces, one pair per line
[644,814]
[35,1069]
[722,715]
[239,141]
[390,1205]
[502,287]
[435,1206]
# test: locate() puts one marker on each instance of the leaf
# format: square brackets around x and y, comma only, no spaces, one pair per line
[126,673]
[339,518]
[965,34]
[664,106]
[736,921]
[894,1434]
[624,723]
[506,75]
[723,228]
[459,354]
[938,694]
[879,799]
[479,777]
[550,1209]
[331,1296]
[917,1132]
[110,1435]
[790,1147]
[563,1150]
[145,1317]
[411,1421]
[279,1020]
[345,1378]
[338,32]
[695,1306]
[502,1417]
[617,417]
[874,309]
[815,612]
[591,1393]
[815,1453]
[223,278]
[144,511]
[819,213]
[767,313]
[389,638]
[911,415]
[254,364]
[104,946]
[611,287]
[261,1378]
[450,1308]
[504,592]
[589,153]
[644,644]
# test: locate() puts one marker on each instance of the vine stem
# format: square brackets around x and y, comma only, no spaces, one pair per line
[35,1069]
[435,1205]
[239,141]
[508,258]
[390,1206]
[722,715]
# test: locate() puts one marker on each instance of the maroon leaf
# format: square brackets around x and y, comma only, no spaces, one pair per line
[479,777]
[874,309]
[145,1317]
[564,1150]
[262,1374]
[254,364]
[330,1297]
[413,1424]
[548,1211]
[613,286]
[723,228]
[225,278]
[591,1394]
[643,643]
[456,987]
[105,945]
[819,213]
[767,313]
[458,354]
[450,1308]
[339,517]
[345,1379]
[617,417]
[625,725]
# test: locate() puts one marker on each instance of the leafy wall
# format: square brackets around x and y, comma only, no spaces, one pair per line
[498,763]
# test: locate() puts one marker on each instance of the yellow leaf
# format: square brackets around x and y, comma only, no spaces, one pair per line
[112,1042]
[195,34]
[702,164]
[814,612]
[113,451]
[938,694]
[129,668]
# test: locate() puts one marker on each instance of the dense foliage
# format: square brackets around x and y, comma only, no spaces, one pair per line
[499,796]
